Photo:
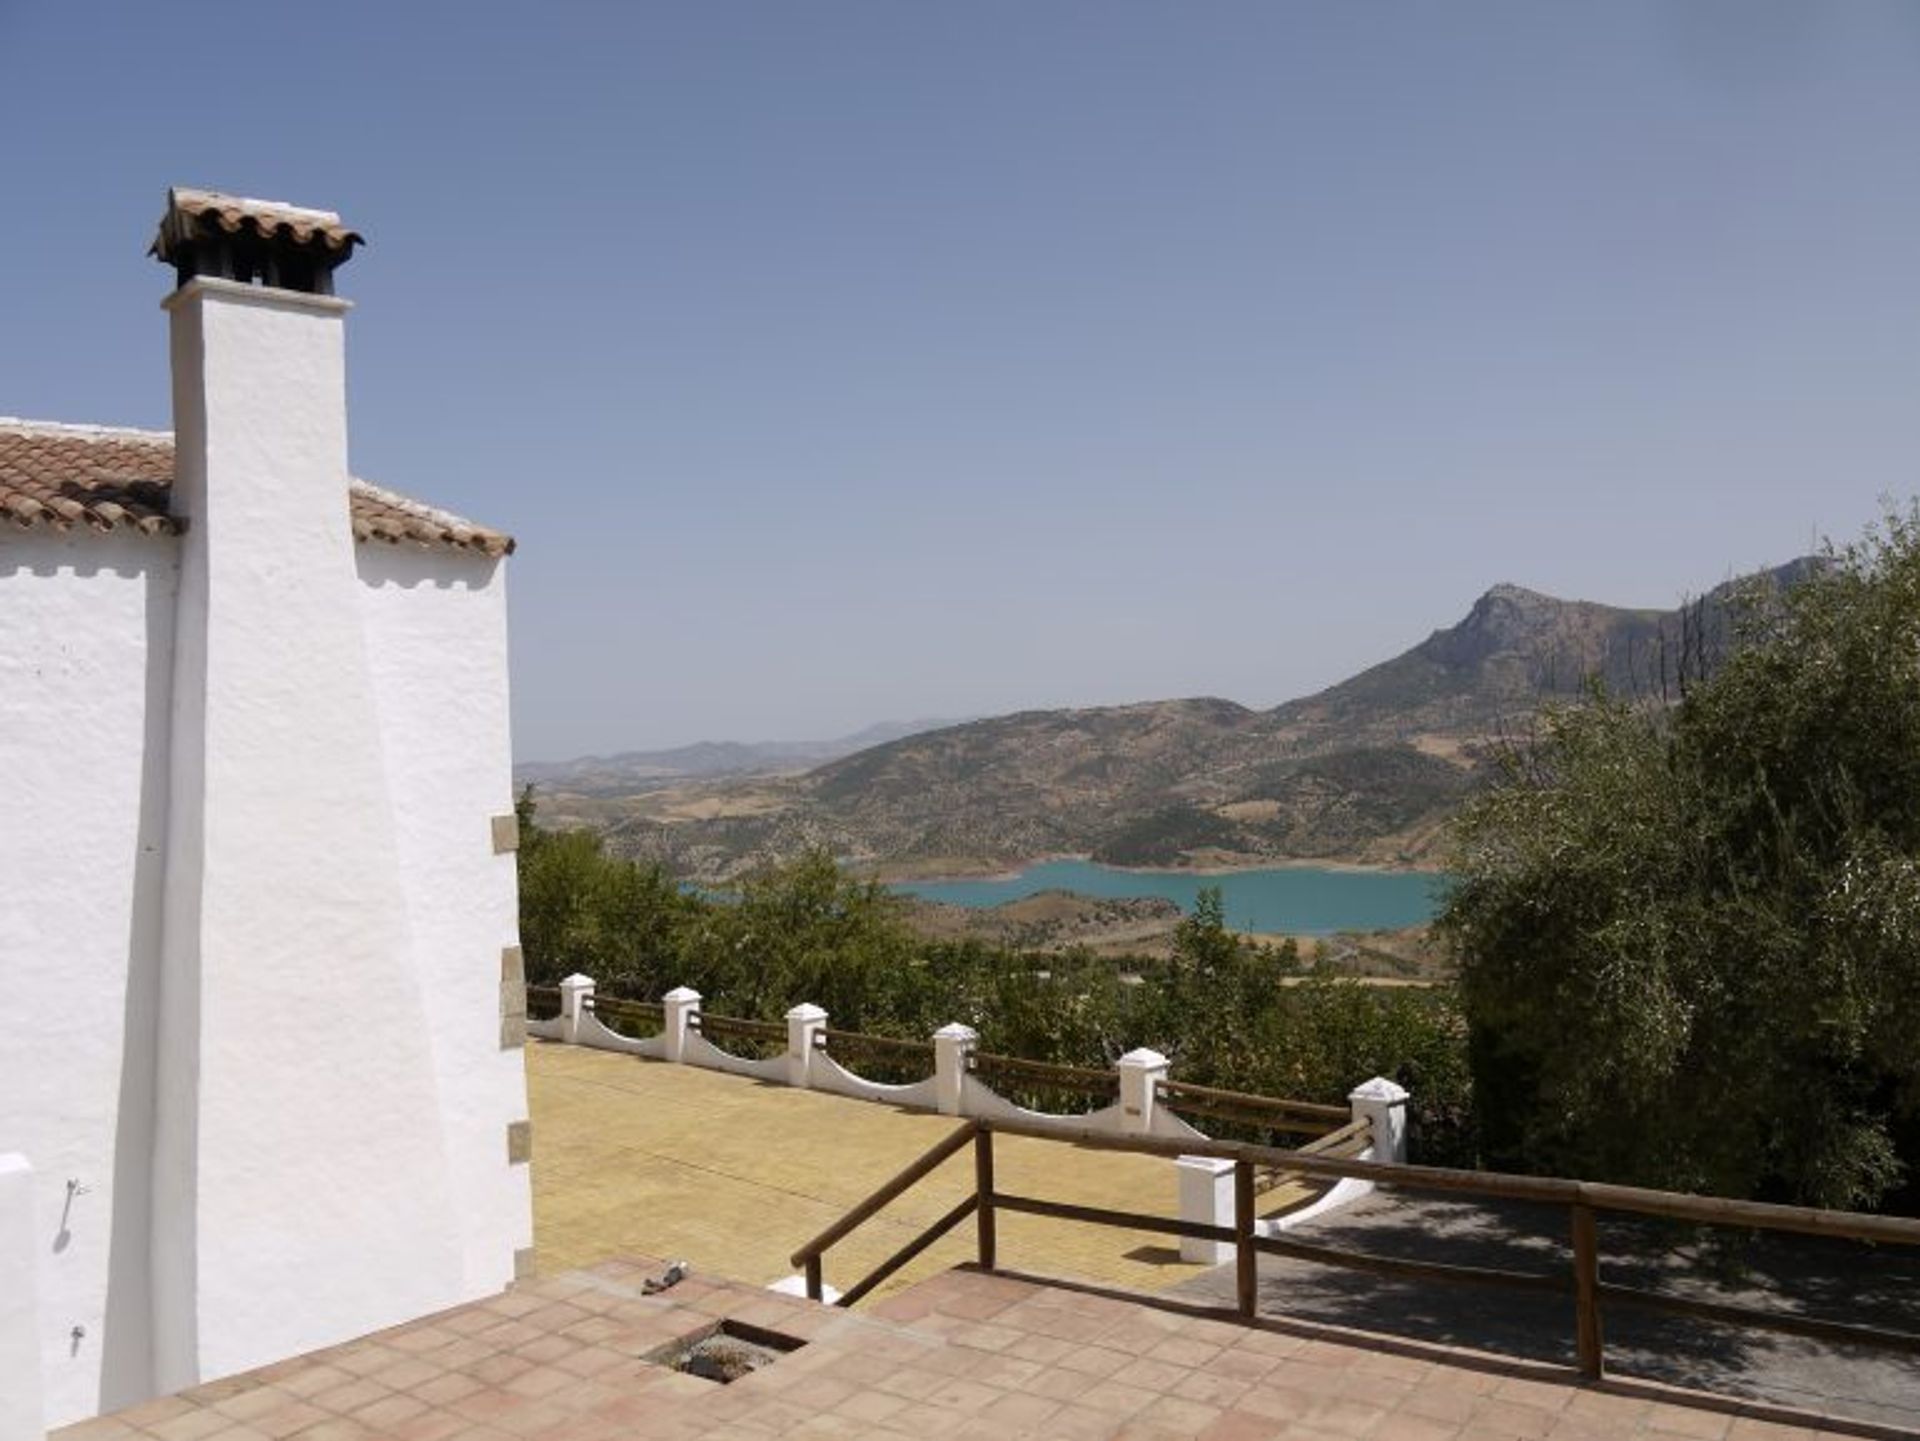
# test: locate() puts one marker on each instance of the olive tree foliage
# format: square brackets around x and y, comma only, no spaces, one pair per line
[1689,937]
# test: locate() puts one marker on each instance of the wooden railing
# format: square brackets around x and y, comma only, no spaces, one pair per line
[810,1257]
[1302,1118]
[1583,1200]
[543,1002]
[1352,1139]
[860,1052]
[1016,1078]
[619,1016]
[769,1035]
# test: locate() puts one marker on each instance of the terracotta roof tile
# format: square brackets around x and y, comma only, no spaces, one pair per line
[189,210]
[64,476]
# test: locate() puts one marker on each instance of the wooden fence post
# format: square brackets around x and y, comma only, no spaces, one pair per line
[1246,1259]
[1586,1291]
[983,1192]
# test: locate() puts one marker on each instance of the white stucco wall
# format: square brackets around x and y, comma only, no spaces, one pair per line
[436,625]
[85,665]
[22,1417]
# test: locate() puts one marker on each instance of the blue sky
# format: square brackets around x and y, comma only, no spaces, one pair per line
[837,362]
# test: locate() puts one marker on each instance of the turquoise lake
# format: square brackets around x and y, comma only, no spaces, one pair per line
[1296,900]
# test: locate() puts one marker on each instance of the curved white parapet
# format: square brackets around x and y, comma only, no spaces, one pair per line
[593,1032]
[978,1099]
[1343,1192]
[1172,1128]
[829,1075]
[700,1051]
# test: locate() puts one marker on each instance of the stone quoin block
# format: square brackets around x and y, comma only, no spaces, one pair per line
[506,834]
[519,1142]
[513,998]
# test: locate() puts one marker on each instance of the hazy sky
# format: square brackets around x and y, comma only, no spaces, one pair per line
[845,361]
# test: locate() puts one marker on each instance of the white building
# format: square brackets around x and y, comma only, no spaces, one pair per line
[258,970]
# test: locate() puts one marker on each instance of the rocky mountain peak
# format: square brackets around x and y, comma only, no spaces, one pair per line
[1507,617]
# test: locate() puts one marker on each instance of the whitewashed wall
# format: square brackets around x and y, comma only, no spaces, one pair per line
[86,628]
[86,669]
[437,648]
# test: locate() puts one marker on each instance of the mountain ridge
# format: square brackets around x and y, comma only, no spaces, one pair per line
[713,758]
[1363,771]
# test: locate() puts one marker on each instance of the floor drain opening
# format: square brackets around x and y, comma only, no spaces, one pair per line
[726,1351]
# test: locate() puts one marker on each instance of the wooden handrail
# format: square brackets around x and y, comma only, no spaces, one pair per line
[1333,1141]
[1582,1198]
[826,1038]
[1399,1266]
[967,1206]
[652,1010]
[1178,1095]
[738,1026]
[903,1181]
[1785,1322]
[1704,1210]
[1105,1216]
[1045,1073]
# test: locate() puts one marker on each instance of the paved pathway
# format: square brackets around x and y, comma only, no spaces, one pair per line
[964,1355]
[1835,1280]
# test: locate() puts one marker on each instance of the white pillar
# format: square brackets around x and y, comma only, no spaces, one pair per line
[21,1416]
[575,992]
[1206,1196]
[952,1046]
[1141,1073]
[1384,1104]
[805,1022]
[682,1010]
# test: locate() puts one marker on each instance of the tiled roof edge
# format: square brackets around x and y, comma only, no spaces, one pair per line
[376,513]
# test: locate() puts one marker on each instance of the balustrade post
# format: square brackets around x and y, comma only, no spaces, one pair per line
[1206,1196]
[953,1046]
[1141,1072]
[805,1022]
[681,1008]
[576,995]
[1384,1105]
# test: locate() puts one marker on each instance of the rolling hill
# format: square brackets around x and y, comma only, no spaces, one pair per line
[1365,771]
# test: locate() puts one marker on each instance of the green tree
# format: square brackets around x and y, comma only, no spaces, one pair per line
[583,910]
[1690,938]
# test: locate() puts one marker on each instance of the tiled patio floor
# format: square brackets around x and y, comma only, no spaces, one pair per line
[963,1355]
[641,1156]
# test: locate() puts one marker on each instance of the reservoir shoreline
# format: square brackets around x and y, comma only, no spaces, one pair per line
[1293,899]
[897,876]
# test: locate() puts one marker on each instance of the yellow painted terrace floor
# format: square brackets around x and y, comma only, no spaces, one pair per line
[637,1156]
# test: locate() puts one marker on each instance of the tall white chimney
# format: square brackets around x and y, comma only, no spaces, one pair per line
[301,1185]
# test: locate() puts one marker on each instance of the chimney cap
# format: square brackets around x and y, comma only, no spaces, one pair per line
[205,232]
